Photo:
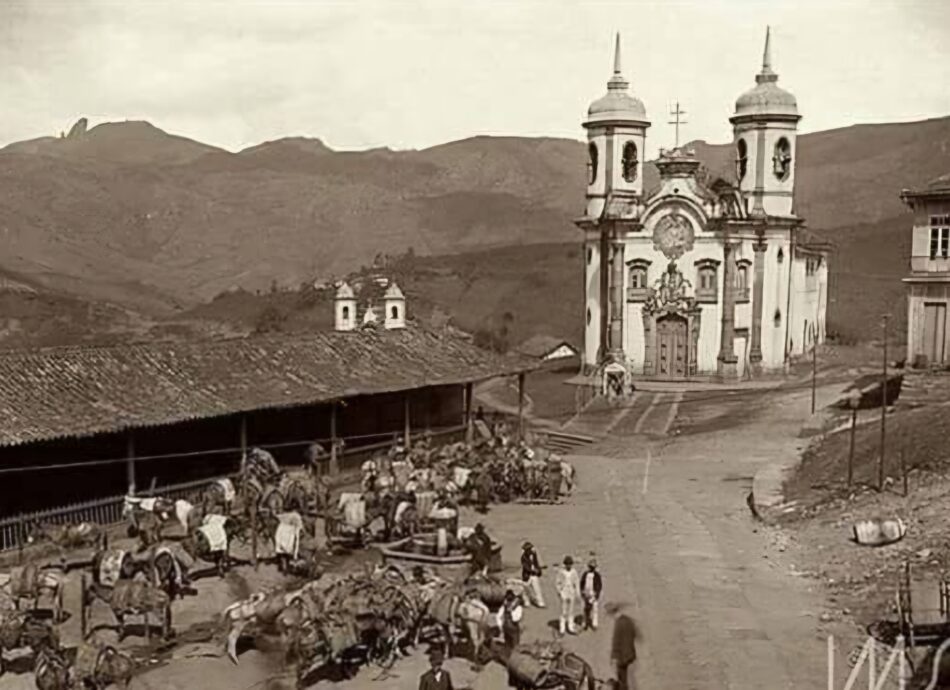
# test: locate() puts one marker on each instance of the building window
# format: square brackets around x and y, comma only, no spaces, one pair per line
[707,282]
[590,255]
[637,289]
[395,313]
[630,161]
[939,237]
[742,280]
[591,163]
[346,313]
[742,159]
[588,316]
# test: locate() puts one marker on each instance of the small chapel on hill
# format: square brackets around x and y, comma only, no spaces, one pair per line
[697,277]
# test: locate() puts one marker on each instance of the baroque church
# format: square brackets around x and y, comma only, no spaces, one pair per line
[697,277]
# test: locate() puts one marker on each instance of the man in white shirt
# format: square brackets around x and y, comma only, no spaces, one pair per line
[568,586]
[512,613]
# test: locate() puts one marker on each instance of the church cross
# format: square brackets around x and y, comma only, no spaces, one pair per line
[677,113]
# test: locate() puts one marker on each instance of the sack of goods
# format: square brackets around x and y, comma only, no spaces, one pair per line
[354,514]
[287,537]
[527,668]
[879,532]
[110,567]
[425,500]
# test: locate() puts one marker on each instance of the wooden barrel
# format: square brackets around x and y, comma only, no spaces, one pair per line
[526,668]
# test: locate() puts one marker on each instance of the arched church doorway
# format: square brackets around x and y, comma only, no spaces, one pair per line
[672,342]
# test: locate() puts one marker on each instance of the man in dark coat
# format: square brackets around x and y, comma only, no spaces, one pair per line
[623,651]
[531,574]
[592,585]
[480,547]
[436,678]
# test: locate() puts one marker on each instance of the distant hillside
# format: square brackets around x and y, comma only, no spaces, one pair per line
[126,213]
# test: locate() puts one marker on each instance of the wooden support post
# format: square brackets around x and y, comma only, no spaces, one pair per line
[334,461]
[814,365]
[254,535]
[407,441]
[521,406]
[130,462]
[469,425]
[854,424]
[903,466]
[880,464]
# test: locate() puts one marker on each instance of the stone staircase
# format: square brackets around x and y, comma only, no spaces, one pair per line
[922,388]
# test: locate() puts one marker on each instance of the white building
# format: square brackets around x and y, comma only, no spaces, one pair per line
[928,284]
[697,278]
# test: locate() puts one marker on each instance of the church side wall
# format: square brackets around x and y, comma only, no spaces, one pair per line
[634,343]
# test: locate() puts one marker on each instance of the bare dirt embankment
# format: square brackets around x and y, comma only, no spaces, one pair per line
[822,507]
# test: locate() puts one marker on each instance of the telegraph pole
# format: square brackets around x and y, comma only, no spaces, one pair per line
[677,114]
[880,464]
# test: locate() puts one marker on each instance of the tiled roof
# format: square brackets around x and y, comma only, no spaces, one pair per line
[81,391]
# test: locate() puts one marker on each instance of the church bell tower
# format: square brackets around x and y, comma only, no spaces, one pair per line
[616,127]
[764,127]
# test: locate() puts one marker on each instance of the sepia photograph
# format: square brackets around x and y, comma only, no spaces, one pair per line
[474,344]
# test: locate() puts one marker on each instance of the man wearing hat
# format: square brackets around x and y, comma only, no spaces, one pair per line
[512,613]
[623,650]
[531,574]
[591,587]
[436,678]
[568,588]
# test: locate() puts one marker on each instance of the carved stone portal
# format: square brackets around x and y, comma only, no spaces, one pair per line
[671,320]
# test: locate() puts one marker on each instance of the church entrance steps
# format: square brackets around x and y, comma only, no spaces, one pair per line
[566,443]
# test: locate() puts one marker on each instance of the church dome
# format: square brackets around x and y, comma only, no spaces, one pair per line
[345,291]
[393,292]
[766,97]
[617,104]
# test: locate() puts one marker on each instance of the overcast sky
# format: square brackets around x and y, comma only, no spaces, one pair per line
[411,74]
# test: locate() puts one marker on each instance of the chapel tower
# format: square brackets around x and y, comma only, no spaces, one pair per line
[764,128]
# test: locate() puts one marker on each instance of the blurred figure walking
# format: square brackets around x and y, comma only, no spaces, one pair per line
[623,651]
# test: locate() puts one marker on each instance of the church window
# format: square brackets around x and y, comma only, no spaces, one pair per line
[395,313]
[346,313]
[590,255]
[638,277]
[742,281]
[707,283]
[591,163]
[782,159]
[637,290]
[630,161]
[588,316]
[742,159]
[939,237]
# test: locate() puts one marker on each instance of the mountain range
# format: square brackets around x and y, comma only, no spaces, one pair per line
[158,224]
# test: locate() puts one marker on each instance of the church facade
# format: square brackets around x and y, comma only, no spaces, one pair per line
[697,277]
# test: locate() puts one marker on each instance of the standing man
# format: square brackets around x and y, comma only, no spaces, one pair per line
[531,574]
[480,549]
[568,588]
[623,651]
[436,678]
[512,613]
[591,587]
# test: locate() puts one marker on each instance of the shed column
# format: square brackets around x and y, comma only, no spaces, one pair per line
[728,362]
[469,431]
[334,460]
[758,286]
[130,462]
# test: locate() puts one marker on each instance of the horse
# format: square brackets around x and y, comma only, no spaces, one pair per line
[135,598]
[21,629]
[211,541]
[52,670]
[66,537]
[31,582]
[148,516]
[100,665]
[168,571]
[466,612]
[219,496]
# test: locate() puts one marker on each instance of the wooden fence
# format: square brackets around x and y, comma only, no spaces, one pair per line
[108,511]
